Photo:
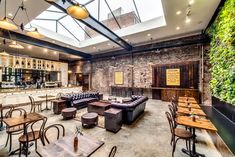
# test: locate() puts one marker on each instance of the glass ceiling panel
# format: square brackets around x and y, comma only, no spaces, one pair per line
[50,15]
[125,11]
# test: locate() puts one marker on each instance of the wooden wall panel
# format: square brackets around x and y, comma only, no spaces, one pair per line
[189,74]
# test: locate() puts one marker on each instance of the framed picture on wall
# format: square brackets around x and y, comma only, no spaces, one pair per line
[173,77]
[118,78]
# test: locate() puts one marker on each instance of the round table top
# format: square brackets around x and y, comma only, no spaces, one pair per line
[90,115]
[71,109]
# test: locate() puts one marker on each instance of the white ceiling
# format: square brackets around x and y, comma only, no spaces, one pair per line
[201,13]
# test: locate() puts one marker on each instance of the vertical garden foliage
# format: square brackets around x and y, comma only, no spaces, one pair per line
[222,53]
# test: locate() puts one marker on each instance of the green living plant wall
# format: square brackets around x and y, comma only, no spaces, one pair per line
[222,53]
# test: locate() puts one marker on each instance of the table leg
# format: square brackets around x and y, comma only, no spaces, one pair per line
[24,149]
[47,108]
[193,152]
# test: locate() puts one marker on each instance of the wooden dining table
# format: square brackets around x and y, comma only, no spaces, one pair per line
[21,120]
[199,123]
[186,111]
[187,100]
[187,105]
[65,147]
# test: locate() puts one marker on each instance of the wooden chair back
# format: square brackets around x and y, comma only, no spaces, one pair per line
[13,111]
[113,151]
[35,126]
[58,127]
[170,121]
[31,100]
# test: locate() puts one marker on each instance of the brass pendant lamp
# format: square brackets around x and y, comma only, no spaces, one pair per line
[78,11]
[34,33]
[6,23]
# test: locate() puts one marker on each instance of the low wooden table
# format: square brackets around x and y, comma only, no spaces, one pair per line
[89,119]
[199,124]
[98,107]
[64,147]
[58,105]
[68,113]
[113,119]
[183,110]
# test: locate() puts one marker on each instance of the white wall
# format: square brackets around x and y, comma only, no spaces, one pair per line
[64,73]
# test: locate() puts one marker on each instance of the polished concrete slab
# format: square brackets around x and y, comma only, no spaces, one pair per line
[149,136]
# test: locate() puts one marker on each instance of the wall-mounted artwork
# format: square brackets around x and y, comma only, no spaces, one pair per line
[173,77]
[118,78]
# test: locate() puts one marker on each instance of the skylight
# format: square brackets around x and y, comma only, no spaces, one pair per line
[126,13]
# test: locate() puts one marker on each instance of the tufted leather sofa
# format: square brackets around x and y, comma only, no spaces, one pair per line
[132,110]
[80,100]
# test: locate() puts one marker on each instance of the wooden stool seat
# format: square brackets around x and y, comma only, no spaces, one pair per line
[69,112]
[182,133]
[89,119]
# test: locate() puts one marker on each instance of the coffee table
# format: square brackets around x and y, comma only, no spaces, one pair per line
[98,107]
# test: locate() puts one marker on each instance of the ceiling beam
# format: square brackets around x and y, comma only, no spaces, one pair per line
[198,39]
[95,25]
[41,43]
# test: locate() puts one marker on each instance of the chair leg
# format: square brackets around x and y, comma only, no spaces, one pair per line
[31,110]
[20,150]
[186,142]
[36,145]
[27,148]
[173,151]
[10,142]
[171,140]
[7,140]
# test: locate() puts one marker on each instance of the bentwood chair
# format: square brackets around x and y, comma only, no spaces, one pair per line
[16,130]
[34,105]
[33,132]
[54,127]
[113,151]
[178,133]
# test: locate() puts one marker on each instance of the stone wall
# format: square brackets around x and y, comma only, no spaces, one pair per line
[102,70]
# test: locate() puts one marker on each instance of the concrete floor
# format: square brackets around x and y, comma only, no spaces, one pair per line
[149,136]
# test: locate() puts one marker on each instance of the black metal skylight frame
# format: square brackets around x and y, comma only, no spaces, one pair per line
[58,22]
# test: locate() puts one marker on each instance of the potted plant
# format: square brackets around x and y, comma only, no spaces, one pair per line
[75,141]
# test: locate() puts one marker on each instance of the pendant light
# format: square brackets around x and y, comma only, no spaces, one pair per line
[16,45]
[78,11]
[4,53]
[34,33]
[6,23]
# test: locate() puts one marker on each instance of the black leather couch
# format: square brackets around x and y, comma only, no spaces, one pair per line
[133,109]
[80,100]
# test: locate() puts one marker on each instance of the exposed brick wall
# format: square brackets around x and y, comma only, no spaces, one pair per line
[124,20]
[103,69]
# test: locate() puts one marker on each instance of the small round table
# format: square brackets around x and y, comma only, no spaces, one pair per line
[68,113]
[89,119]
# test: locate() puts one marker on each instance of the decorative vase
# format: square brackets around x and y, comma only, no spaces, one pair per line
[75,143]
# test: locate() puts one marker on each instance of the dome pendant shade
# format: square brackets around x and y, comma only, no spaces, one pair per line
[4,53]
[6,24]
[35,34]
[77,12]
